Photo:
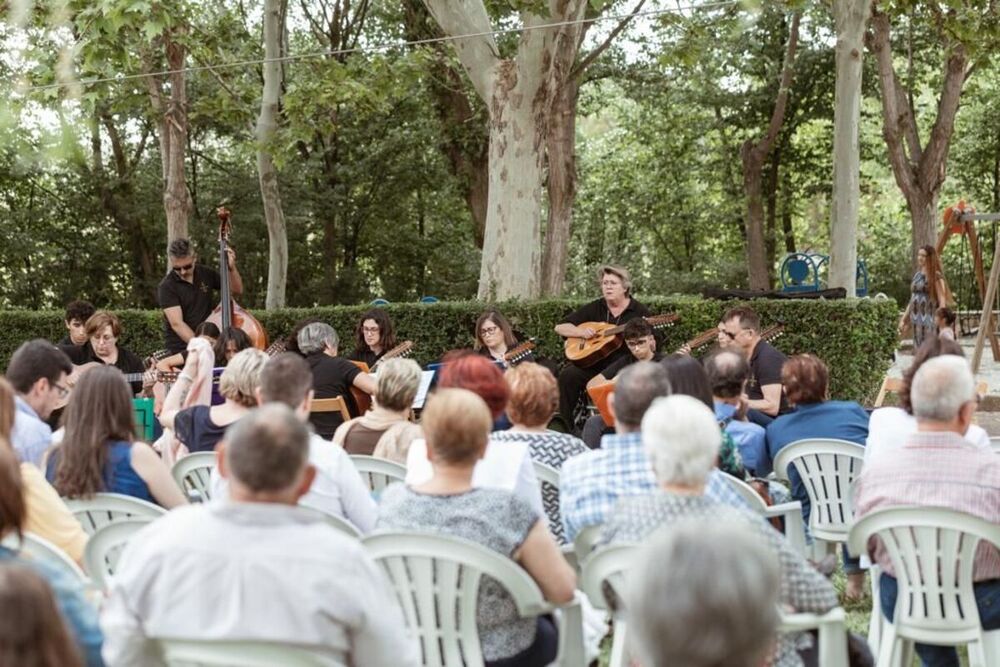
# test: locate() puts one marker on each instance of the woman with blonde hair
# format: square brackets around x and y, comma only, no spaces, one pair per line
[98,453]
[200,427]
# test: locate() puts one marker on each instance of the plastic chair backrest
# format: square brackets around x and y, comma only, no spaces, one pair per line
[827,467]
[193,473]
[751,497]
[605,571]
[340,523]
[436,579]
[38,548]
[548,479]
[378,473]
[585,540]
[104,548]
[221,653]
[932,550]
[105,508]
[832,627]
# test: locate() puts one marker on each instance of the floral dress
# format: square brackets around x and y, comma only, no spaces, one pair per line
[921,310]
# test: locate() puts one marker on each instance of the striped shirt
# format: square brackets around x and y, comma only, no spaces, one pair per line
[939,469]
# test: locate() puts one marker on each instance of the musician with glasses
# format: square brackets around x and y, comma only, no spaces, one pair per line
[103,331]
[38,372]
[373,337]
[185,293]
[495,338]
[616,306]
[739,330]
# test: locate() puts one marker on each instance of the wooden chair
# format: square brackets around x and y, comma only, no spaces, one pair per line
[335,404]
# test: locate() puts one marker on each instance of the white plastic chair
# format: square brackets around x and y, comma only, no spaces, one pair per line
[104,548]
[607,566]
[932,551]
[221,653]
[790,512]
[104,508]
[378,473]
[193,473]
[827,467]
[548,480]
[584,542]
[832,627]
[38,548]
[340,523]
[437,579]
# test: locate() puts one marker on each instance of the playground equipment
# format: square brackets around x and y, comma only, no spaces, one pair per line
[800,272]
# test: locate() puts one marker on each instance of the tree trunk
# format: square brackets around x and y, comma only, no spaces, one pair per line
[923,214]
[770,228]
[561,148]
[788,231]
[176,198]
[267,125]
[850,17]
[511,256]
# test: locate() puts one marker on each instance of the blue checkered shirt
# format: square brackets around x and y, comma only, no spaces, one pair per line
[591,483]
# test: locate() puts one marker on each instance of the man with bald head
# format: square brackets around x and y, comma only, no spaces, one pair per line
[727,372]
[256,566]
[938,467]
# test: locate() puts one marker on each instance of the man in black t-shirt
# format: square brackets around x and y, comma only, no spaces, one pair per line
[740,329]
[77,314]
[616,306]
[186,293]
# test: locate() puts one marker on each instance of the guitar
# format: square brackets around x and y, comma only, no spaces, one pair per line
[709,336]
[363,400]
[518,354]
[586,352]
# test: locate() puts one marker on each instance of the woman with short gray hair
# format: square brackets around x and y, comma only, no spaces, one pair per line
[386,431]
[317,337]
[333,376]
[703,595]
[681,438]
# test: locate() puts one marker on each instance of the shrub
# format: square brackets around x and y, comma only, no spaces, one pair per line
[855,338]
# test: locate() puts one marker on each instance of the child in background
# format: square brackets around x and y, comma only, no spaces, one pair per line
[944,318]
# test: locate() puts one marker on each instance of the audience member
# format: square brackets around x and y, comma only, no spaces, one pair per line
[103,331]
[687,376]
[534,399]
[937,467]
[77,314]
[271,571]
[32,632]
[97,453]
[38,371]
[386,430]
[200,427]
[889,426]
[506,465]
[338,488]
[739,330]
[332,375]
[727,373]
[79,615]
[457,426]
[46,515]
[702,596]
[681,437]
[591,483]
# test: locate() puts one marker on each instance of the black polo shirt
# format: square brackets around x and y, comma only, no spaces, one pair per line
[128,361]
[367,356]
[597,311]
[765,368]
[612,371]
[195,299]
[332,376]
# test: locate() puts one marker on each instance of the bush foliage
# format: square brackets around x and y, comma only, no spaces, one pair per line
[855,338]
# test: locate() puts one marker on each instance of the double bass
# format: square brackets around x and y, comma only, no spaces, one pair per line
[229,313]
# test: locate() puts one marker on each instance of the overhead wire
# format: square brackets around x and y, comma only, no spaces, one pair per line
[385,46]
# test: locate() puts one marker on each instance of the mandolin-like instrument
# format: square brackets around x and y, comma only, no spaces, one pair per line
[586,352]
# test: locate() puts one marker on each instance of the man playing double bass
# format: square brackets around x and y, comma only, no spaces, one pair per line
[186,293]
[616,306]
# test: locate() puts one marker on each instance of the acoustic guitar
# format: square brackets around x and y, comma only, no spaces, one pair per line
[519,353]
[363,400]
[709,336]
[585,352]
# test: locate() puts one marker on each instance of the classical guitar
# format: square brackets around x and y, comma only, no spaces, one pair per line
[709,336]
[586,352]
[518,354]
[363,400]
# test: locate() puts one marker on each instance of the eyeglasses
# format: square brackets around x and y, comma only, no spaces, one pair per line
[732,336]
[185,268]
[63,391]
[489,331]
[637,342]
[370,329]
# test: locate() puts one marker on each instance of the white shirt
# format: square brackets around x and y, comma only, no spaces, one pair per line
[338,488]
[259,571]
[505,465]
[890,428]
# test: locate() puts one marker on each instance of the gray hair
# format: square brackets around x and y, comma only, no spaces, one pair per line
[727,372]
[702,595]
[267,449]
[941,387]
[635,389]
[316,336]
[682,438]
[179,248]
[398,381]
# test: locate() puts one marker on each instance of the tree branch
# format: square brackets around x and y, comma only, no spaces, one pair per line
[599,50]
[478,55]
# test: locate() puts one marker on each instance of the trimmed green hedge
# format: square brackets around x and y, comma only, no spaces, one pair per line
[855,338]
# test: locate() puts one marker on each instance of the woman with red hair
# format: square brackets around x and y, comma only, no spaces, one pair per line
[505,465]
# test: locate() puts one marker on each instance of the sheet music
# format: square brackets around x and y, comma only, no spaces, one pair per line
[426,378]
